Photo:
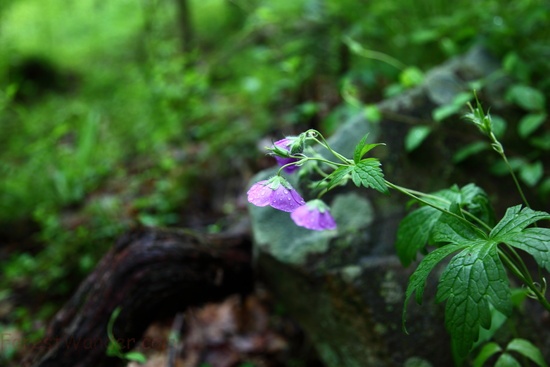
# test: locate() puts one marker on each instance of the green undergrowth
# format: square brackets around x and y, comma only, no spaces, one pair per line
[124,124]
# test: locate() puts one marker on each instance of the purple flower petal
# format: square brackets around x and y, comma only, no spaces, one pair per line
[286,198]
[260,193]
[276,192]
[314,215]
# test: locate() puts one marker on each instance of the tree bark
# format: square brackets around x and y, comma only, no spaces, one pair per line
[185,25]
[149,273]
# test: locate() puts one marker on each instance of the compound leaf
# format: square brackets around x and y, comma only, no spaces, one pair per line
[337,176]
[368,173]
[417,281]
[516,219]
[451,229]
[534,241]
[473,279]
[363,148]
[414,231]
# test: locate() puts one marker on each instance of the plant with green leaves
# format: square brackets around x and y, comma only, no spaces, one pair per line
[114,349]
[458,221]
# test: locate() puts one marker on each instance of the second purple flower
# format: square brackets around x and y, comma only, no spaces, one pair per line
[314,215]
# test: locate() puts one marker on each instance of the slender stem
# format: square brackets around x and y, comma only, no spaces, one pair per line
[313,134]
[518,186]
[303,160]
[518,273]
[447,202]
[443,210]
[520,262]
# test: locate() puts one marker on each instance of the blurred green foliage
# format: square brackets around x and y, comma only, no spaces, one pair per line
[112,111]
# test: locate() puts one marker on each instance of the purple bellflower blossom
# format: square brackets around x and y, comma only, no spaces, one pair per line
[277,193]
[314,215]
[285,144]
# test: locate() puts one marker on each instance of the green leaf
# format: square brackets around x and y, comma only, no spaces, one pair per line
[475,200]
[541,141]
[485,353]
[474,279]
[114,349]
[529,123]
[337,176]
[527,349]
[453,230]
[416,136]
[369,174]
[363,148]
[411,77]
[441,113]
[136,356]
[506,360]
[414,231]
[534,241]
[372,113]
[527,97]
[458,103]
[516,219]
[469,150]
[531,173]
[417,281]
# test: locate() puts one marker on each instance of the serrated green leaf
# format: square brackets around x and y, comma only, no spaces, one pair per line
[516,219]
[414,231]
[453,230]
[363,148]
[534,241]
[135,356]
[417,281]
[506,360]
[337,176]
[476,201]
[417,228]
[485,353]
[416,136]
[473,279]
[527,349]
[529,123]
[368,173]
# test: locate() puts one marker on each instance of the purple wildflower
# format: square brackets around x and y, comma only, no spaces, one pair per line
[285,144]
[314,215]
[276,192]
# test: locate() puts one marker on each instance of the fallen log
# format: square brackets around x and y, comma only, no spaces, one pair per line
[149,273]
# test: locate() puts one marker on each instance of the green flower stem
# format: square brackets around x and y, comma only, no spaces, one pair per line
[313,134]
[514,177]
[303,160]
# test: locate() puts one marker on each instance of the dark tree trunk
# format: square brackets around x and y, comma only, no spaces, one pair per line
[185,25]
[148,274]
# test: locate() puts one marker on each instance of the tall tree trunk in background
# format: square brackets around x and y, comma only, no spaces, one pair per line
[185,25]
